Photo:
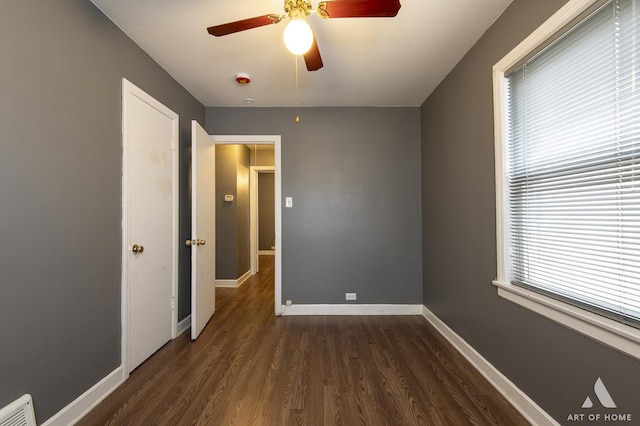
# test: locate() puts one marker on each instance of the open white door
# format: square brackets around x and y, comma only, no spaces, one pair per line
[203,227]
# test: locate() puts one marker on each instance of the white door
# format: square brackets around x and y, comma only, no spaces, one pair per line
[150,194]
[203,228]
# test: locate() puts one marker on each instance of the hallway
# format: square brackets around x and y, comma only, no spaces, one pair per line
[251,368]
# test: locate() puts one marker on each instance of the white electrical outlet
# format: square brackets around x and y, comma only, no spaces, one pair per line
[288,303]
[350,296]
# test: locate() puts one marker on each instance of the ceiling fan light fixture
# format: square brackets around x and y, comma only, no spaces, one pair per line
[298,36]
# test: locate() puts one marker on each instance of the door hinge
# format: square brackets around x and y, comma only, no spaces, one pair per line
[173,303]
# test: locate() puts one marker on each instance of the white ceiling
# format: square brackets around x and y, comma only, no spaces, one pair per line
[367,61]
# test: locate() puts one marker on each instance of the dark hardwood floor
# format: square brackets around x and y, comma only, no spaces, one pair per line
[251,368]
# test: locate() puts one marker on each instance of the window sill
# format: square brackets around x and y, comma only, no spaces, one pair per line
[619,336]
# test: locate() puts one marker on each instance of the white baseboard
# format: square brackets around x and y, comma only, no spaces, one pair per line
[266,252]
[525,405]
[184,325]
[78,408]
[227,283]
[244,277]
[234,283]
[353,309]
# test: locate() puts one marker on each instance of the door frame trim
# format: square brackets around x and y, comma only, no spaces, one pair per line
[276,141]
[129,89]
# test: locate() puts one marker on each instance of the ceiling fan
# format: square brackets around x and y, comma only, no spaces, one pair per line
[298,35]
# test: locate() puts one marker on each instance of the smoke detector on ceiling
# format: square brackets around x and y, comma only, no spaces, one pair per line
[243,78]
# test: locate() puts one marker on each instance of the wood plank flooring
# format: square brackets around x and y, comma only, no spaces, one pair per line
[252,368]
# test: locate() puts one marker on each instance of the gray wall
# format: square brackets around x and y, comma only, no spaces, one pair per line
[266,211]
[354,175]
[226,213]
[60,194]
[263,157]
[553,365]
[232,218]
[244,252]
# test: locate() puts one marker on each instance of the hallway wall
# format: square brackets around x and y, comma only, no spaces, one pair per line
[232,218]
[60,194]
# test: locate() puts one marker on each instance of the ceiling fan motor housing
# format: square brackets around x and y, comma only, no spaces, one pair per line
[297,8]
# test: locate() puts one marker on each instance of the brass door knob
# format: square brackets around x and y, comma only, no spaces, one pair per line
[191,242]
[137,249]
[200,242]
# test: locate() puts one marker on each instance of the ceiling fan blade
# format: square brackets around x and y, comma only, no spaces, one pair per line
[245,24]
[359,8]
[312,57]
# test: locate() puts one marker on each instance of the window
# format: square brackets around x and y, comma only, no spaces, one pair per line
[568,169]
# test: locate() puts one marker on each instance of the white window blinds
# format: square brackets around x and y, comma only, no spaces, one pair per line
[574,165]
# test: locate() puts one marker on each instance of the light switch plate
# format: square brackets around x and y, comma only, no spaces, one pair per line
[288,202]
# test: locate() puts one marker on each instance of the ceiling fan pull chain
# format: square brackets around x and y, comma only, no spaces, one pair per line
[297,92]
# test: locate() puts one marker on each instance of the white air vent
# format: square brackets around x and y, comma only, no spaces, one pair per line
[18,413]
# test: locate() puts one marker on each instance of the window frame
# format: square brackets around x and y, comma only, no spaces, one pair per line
[617,335]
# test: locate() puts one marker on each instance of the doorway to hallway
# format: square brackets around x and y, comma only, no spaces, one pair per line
[247,178]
